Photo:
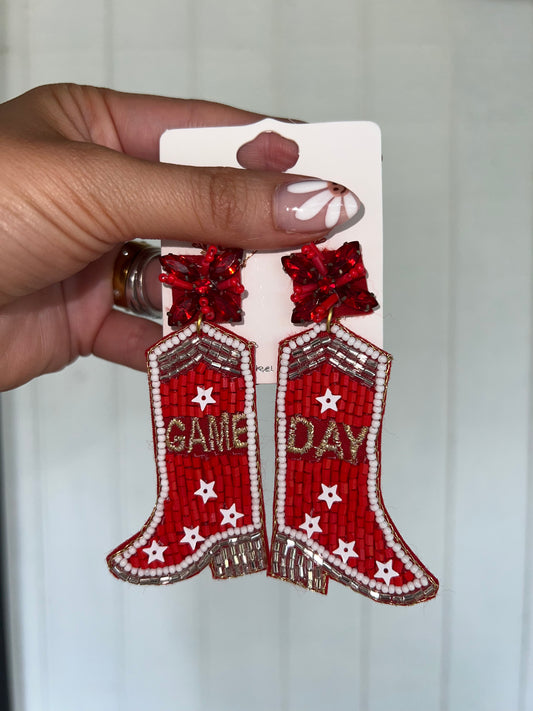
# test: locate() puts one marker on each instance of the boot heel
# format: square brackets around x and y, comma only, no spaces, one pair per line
[239,556]
[289,562]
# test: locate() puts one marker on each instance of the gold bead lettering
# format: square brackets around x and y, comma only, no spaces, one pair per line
[355,442]
[219,435]
[238,431]
[175,442]
[326,445]
[205,435]
[196,436]
[291,439]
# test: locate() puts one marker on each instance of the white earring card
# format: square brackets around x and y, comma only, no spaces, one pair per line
[347,153]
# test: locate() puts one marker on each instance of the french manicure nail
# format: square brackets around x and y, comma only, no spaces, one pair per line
[314,206]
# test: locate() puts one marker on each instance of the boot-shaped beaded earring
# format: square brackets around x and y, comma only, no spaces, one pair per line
[329,517]
[209,508]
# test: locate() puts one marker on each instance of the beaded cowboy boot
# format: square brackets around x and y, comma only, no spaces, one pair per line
[329,517]
[209,507]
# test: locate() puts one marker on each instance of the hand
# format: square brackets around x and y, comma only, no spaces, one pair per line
[80,177]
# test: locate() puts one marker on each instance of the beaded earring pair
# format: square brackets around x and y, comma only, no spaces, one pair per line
[329,517]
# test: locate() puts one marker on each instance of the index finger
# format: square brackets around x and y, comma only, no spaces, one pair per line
[140,119]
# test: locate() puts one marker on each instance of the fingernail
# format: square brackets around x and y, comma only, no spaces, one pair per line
[314,206]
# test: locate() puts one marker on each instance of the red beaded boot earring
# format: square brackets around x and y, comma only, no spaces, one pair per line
[209,508]
[329,517]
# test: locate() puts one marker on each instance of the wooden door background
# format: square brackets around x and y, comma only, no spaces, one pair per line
[451,84]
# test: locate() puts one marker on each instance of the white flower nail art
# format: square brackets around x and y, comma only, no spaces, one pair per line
[333,195]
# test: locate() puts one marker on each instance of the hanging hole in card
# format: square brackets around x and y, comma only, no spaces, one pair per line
[268,151]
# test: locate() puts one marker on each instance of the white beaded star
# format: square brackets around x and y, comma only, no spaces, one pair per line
[345,550]
[386,571]
[328,401]
[230,516]
[329,495]
[192,537]
[206,491]
[155,552]
[203,397]
[311,525]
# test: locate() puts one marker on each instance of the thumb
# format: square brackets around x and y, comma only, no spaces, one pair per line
[226,206]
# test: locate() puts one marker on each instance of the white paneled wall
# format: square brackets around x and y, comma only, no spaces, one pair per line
[451,84]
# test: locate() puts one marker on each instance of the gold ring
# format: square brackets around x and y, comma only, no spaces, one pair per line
[128,278]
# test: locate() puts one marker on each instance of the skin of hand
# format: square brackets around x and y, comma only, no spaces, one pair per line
[80,176]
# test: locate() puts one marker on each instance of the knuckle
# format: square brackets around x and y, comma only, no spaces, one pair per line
[227,200]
